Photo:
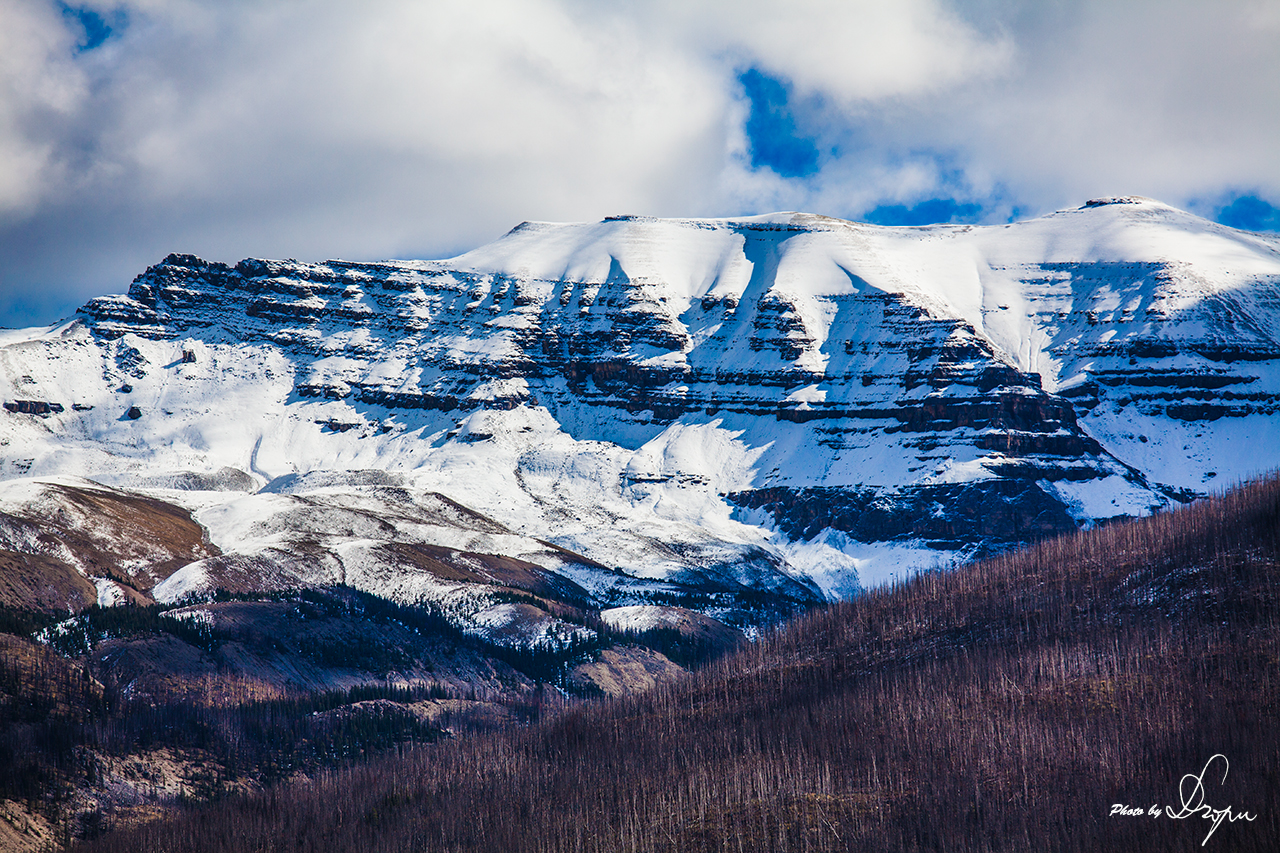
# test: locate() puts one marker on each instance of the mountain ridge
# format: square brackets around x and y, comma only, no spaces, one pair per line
[831,402]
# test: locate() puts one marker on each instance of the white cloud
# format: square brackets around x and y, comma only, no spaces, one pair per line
[392,127]
[1167,99]
[335,129]
[1174,100]
[39,87]
[849,50]
[430,112]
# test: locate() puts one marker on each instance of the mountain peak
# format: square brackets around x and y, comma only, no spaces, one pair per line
[1121,199]
[786,397]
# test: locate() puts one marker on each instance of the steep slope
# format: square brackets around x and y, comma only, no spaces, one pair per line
[771,401]
[65,534]
[323,618]
[74,543]
[1008,705]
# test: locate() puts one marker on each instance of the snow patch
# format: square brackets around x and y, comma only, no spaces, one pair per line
[110,593]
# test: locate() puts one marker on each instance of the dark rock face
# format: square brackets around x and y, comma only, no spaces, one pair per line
[33,407]
[997,513]
[598,337]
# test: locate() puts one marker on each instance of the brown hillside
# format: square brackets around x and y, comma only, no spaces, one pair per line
[100,533]
[40,583]
[1003,706]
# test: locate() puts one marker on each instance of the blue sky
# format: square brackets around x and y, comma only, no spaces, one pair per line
[391,128]
[773,139]
[1248,212]
[93,26]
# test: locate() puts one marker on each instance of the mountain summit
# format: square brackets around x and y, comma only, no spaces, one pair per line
[785,401]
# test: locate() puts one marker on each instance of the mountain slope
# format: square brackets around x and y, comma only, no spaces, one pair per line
[773,401]
[322,619]
[1008,705]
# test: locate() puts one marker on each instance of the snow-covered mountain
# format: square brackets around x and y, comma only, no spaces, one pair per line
[787,402]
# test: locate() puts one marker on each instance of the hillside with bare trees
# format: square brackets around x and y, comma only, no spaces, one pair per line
[1014,704]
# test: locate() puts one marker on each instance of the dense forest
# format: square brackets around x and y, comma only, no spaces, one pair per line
[1007,705]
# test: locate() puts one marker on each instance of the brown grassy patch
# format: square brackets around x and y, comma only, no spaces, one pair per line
[40,583]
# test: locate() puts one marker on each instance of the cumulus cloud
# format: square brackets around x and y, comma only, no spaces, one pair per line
[1167,99]
[40,87]
[399,128]
[850,50]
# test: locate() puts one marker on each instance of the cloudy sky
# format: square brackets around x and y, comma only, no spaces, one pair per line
[317,129]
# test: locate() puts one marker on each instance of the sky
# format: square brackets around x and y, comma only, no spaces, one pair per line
[318,129]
